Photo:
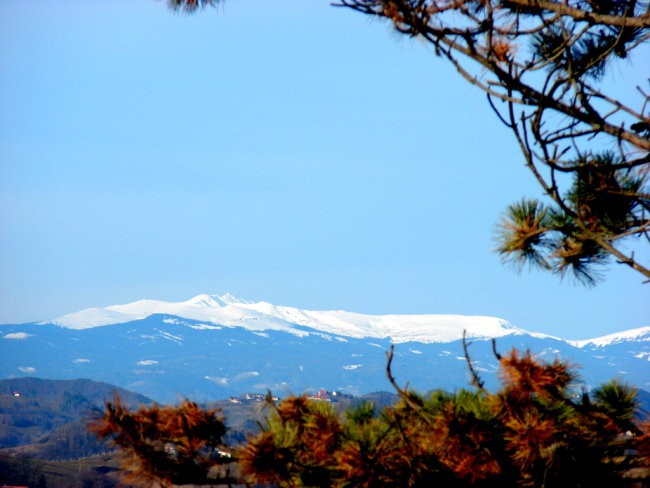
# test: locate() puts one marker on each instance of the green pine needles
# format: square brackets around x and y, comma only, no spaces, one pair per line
[605,203]
[538,235]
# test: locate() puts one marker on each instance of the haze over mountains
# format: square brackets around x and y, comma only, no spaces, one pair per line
[214,346]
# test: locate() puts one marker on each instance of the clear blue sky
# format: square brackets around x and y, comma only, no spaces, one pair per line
[285,151]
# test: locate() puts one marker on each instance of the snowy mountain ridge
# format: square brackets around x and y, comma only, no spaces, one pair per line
[231,311]
[640,334]
[213,346]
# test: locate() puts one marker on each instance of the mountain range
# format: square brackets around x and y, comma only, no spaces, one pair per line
[213,346]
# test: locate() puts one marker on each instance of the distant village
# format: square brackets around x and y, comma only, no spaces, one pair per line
[321,395]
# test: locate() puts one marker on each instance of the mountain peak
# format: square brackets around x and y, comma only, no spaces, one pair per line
[641,334]
[206,300]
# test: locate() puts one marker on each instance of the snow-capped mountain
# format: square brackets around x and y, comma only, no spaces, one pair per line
[641,334]
[215,346]
[230,311]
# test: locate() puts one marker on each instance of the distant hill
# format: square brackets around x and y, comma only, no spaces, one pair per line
[99,471]
[92,391]
[47,418]
[643,398]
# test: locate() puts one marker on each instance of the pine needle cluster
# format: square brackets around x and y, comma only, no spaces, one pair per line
[604,201]
[166,445]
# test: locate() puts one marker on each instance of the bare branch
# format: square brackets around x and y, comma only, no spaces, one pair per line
[477,382]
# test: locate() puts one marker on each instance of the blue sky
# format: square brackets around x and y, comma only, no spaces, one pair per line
[284,151]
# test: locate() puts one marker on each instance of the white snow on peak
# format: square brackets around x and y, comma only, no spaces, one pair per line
[91,317]
[228,310]
[641,334]
[215,300]
[200,305]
